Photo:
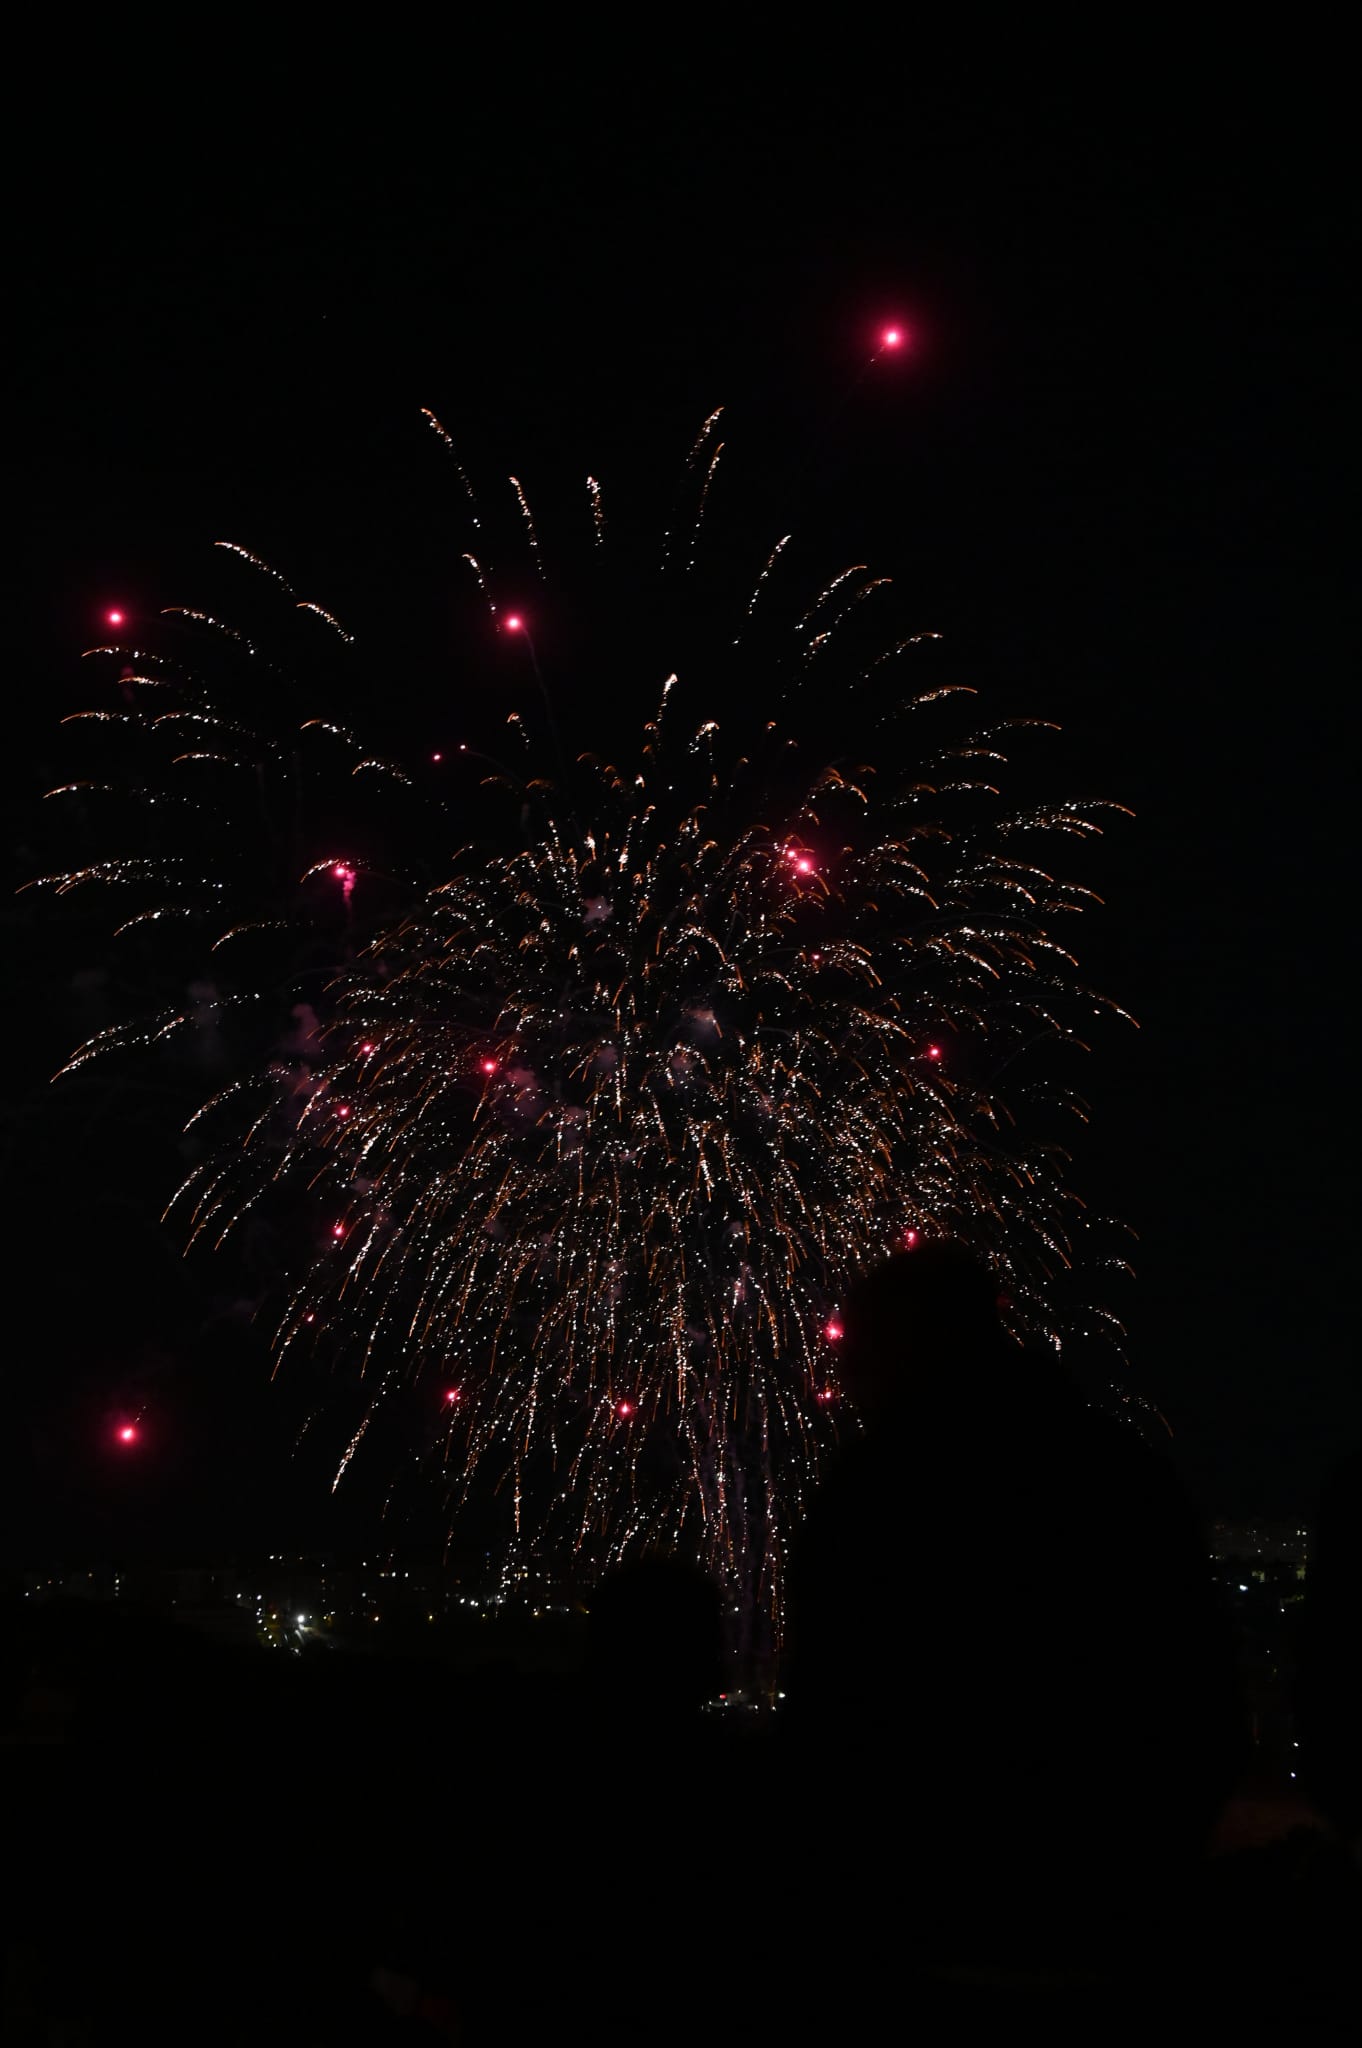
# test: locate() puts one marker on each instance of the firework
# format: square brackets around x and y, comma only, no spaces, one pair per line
[594,1123]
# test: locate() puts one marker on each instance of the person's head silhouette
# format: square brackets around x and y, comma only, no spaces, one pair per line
[916,1321]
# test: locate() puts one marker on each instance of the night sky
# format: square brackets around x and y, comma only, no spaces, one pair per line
[1106,471]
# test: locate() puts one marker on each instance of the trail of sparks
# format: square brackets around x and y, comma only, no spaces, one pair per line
[328,619]
[528,517]
[442,434]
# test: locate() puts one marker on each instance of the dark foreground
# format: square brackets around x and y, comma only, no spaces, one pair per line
[228,1845]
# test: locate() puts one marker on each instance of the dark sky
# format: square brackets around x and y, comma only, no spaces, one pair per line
[1108,473]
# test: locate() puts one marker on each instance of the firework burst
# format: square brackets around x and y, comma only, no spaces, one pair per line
[597,1119]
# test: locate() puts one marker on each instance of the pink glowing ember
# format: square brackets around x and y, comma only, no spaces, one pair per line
[127,1434]
[451,1395]
[892,338]
[338,1230]
[489,1066]
[624,1408]
[515,624]
[910,1238]
[933,1052]
[833,1331]
[114,618]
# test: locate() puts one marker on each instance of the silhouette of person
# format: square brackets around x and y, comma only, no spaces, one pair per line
[1004,1649]
[655,1642]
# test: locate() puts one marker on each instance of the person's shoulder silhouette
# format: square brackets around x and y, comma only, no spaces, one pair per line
[1001,1610]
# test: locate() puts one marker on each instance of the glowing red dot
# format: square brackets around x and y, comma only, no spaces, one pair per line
[367,1046]
[892,337]
[910,1238]
[625,1408]
[437,757]
[804,865]
[343,871]
[114,618]
[127,1434]
[451,1395]
[515,623]
[342,1109]
[309,1317]
[833,1331]
[933,1052]
[825,1395]
[338,1230]
[489,1066]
